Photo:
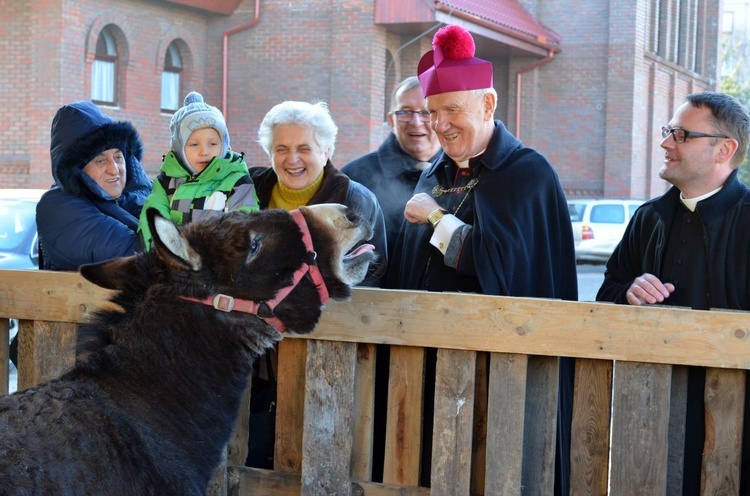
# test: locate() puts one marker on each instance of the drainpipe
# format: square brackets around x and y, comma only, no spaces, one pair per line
[548,58]
[225,54]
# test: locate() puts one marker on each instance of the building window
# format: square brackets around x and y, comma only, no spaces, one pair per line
[104,70]
[655,27]
[171,79]
[727,25]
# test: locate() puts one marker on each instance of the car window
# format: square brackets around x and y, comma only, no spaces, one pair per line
[576,211]
[608,214]
[16,220]
[632,209]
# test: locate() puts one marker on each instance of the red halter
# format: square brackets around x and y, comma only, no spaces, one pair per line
[226,303]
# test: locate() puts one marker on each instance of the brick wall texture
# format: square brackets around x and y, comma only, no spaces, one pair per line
[594,110]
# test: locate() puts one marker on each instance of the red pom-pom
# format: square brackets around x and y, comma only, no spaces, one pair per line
[454,42]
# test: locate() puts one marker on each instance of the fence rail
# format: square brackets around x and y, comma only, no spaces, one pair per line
[495,390]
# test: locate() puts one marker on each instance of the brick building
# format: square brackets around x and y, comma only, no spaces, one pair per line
[588,83]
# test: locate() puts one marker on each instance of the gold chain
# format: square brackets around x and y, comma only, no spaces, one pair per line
[437,190]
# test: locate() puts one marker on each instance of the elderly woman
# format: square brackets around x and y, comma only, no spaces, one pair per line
[299,138]
[91,212]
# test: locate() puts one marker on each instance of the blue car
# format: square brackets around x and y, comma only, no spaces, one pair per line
[18,238]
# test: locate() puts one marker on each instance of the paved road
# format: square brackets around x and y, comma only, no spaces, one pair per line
[590,278]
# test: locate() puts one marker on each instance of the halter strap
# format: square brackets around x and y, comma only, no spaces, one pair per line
[226,303]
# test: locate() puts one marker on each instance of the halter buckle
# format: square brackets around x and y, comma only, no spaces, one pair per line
[224,303]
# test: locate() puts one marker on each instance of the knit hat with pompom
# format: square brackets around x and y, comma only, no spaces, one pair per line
[195,115]
[451,65]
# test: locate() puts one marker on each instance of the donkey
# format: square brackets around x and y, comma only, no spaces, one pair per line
[157,384]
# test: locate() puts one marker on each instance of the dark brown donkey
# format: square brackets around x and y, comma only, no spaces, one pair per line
[156,388]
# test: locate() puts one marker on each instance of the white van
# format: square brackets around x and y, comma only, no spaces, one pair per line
[598,225]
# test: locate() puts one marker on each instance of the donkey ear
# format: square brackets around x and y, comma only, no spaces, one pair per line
[111,274]
[172,246]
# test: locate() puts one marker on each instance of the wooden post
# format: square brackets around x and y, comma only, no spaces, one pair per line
[540,426]
[589,450]
[4,366]
[725,406]
[454,414]
[640,425]
[403,442]
[364,414]
[329,408]
[290,405]
[45,351]
[505,423]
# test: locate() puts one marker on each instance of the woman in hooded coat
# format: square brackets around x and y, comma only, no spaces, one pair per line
[91,212]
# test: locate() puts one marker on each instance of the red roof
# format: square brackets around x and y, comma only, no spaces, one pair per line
[507,15]
[225,7]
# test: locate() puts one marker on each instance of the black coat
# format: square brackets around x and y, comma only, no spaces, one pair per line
[521,242]
[390,173]
[725,220]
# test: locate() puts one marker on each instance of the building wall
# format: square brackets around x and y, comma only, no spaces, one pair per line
[598,107]
[48,46]
[594,110]
[315,50]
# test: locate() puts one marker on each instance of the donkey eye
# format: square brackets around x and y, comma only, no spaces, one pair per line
[254,245]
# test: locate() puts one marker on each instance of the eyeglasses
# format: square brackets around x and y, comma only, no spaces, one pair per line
[406,115]
[681,135]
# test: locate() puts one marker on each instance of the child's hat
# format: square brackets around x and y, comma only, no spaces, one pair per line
[195,115]
[451,64]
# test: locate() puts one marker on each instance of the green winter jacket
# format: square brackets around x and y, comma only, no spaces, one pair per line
[184,197]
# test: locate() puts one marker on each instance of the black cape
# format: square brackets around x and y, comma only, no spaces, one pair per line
[522,239]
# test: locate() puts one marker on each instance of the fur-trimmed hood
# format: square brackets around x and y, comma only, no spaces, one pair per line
[80,132]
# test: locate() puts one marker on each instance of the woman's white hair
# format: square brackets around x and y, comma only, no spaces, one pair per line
[312,115]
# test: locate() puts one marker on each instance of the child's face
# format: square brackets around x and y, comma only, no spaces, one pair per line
[201,148]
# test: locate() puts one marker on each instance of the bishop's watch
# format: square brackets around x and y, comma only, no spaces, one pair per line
[435,217]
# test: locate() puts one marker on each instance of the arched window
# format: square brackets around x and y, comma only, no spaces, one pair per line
[104,70]
[171,79]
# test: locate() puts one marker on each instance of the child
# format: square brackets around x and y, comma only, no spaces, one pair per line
[200,175]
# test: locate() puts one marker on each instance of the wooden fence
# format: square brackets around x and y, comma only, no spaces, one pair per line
[495,391]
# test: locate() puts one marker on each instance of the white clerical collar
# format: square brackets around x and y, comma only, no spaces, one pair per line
[465,163]
[691,203]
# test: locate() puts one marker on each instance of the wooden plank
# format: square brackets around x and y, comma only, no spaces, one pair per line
[254,481]
[589,451]
[329,408]
[505,419]
[677,419]
[454,411]
[532,326]
[725,402]
[237,447]
[640,425]
[4,358]
[479,436]
[375,489]
[290,405]
[403,438]
[47,295]
[247,481]
[364,411]
[538,326]
[45,350]
[540,426]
